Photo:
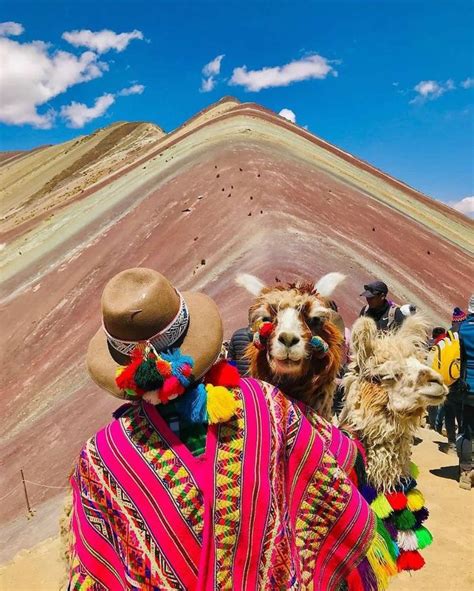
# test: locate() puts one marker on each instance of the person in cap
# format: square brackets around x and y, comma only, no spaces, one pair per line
[205,480]
[465,438]
[384,312]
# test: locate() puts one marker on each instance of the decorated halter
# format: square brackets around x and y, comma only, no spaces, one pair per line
[159,374]
[265,330]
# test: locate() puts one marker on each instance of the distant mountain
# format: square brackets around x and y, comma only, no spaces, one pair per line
[236,188]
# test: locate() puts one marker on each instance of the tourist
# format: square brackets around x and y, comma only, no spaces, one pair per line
[385,313]
[203,482]
[436,413]
[464,439]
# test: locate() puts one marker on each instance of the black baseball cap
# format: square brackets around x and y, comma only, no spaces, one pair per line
[374,288]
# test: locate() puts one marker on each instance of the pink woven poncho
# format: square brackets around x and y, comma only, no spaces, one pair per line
[267,506]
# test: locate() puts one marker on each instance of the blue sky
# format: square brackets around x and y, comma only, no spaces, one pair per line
[352,80]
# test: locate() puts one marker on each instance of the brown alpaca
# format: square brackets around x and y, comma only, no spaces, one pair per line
[298,312]
[388,388]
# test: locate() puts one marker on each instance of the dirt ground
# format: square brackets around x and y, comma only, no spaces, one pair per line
[449,561]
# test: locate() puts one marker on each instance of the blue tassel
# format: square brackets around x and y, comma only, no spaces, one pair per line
[193,407]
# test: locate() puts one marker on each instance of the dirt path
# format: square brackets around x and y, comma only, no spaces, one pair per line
[450,560]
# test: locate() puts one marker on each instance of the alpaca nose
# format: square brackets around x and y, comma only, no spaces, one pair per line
[288,339]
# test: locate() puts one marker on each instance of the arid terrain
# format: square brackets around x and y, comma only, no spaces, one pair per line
[236,188]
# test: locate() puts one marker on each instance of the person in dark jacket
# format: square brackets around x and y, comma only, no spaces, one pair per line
[464,439]
[238,344]
[385,313]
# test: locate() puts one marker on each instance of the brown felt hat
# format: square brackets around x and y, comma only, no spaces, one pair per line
[140,305]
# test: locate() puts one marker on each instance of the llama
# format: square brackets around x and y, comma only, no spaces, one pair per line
[298,338]
[388,388]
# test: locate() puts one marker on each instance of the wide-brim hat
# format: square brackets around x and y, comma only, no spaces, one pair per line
[140,306]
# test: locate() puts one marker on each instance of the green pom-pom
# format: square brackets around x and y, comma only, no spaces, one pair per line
[147,376]
[414,471]
[424,537]
[382,531]
[404,520]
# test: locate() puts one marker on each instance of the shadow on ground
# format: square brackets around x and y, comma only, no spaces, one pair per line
[449,472]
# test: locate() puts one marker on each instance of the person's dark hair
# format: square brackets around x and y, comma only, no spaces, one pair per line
[437,331]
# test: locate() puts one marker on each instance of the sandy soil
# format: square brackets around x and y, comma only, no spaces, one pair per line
[449,561]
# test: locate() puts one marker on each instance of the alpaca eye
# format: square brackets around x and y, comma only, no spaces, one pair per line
[314,322]
[266,319]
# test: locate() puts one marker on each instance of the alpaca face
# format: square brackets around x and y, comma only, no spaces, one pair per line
[297,316]
[298,312]
[389,377]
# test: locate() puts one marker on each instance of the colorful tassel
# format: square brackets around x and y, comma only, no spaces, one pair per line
[382,531]
[193,406]
[404,520]
[411,560]
[407,540]
[421,515]
[397,500]
[414,470]
[381,561]
[147,376]
[391,529]
[223,374]
[408,484]
[415,500]
[424,537]
[367,576]
[381,506]
[369,493]
[221,404]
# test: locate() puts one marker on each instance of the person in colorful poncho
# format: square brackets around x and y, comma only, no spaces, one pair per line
[204,480]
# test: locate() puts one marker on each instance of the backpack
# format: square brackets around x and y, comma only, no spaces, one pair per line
[390,316]
[446,358]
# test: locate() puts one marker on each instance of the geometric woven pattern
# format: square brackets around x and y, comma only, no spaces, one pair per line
[265,507]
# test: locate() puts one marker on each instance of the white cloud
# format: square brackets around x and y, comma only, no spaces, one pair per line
[428,90]
[101,41]
[468,83]
[465,206]
[10,29]
[78,114]
[209,72]
[309,67]
[32,74]
[288,114]
[134,89]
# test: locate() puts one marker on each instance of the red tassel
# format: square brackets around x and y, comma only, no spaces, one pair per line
[126,380]
[410,560]
[223,374]
[398,500]
[354,581]
[266,330]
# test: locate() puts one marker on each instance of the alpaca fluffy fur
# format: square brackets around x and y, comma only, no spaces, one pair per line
[314,380]
[388,388]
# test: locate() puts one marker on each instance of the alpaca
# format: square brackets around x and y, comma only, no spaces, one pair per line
[388,388]
[298,338]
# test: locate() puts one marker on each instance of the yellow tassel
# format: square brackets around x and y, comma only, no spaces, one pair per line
[381,507]
[414,470]
[416,500]
[119,370]
[381,562]
[221,404]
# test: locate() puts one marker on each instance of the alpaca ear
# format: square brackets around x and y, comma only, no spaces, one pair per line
[364,333]
[414,329]
[328,283]
[249,282]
